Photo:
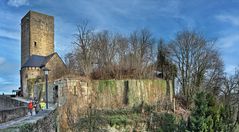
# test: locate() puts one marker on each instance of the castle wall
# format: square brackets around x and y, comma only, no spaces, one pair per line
[57,68]
[40,91]
[111,94]
[28,78]
[12,113]
[104,94]
[77,96]
[37,35]
[11,108]
[6,102]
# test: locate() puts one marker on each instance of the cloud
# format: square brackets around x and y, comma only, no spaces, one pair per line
[7,89]
[234,20]
[5,81]
[229,41]
[15,35]
[8,82]
[2,60]
[18,3]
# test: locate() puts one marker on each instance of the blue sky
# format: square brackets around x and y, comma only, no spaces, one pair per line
[216,19]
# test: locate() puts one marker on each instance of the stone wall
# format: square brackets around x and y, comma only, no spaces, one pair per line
[29,74]
[11,109]
[44,123]
[57,67]
[12,113]
[112,94]
[40,91]
[6,102]
[76,97]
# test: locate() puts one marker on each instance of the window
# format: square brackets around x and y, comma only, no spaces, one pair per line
[75,92]
[35,44]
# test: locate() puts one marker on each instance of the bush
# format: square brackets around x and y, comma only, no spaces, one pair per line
[164,122]
[118,120]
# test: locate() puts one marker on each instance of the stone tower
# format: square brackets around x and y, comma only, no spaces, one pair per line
[37,35]
[37,52]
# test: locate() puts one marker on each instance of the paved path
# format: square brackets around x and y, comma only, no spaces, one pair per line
[25,119]
[28,118]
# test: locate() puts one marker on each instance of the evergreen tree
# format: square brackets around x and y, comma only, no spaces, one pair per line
[198,122]
[207,116]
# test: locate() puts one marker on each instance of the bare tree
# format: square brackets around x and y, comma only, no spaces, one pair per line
[215,74]
[122,51]
[141,43]
[84,48]
[192,53]
[71,64]
[105,46]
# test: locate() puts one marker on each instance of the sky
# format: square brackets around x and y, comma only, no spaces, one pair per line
[216,19]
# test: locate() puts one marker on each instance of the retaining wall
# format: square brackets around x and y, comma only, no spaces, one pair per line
[12,113]
[7,102]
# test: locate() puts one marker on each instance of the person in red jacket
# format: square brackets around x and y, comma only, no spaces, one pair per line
[30,106]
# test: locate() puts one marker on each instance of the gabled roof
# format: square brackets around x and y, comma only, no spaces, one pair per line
[37,61]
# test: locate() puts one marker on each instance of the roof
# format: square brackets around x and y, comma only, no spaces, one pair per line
[37,61]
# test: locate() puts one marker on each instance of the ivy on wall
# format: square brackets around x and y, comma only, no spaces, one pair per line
[41,91]
[107,85]
[30,87]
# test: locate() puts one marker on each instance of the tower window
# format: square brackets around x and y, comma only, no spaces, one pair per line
[35,43]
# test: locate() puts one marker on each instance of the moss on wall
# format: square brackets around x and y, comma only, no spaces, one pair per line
[139,91]
[111,94]
[30,86]
[107,86]
[114,93]
[41,91]
[146,91]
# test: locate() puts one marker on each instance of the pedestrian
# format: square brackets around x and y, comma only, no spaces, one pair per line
[42,104]
[37,107]
[30,107]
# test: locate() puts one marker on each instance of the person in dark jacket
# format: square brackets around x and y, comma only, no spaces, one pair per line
[37,107]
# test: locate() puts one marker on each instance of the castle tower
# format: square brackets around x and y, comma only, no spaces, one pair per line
[37,51]
[37,35]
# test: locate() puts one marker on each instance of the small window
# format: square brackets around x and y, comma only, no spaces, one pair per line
[35,43]
[75,92]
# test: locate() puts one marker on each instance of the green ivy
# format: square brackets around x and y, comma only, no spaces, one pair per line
[30,86]
[118,120]
[27,128]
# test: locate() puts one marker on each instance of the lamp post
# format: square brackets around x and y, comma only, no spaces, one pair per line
[46,71]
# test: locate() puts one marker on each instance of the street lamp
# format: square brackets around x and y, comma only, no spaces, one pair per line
[46,72]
